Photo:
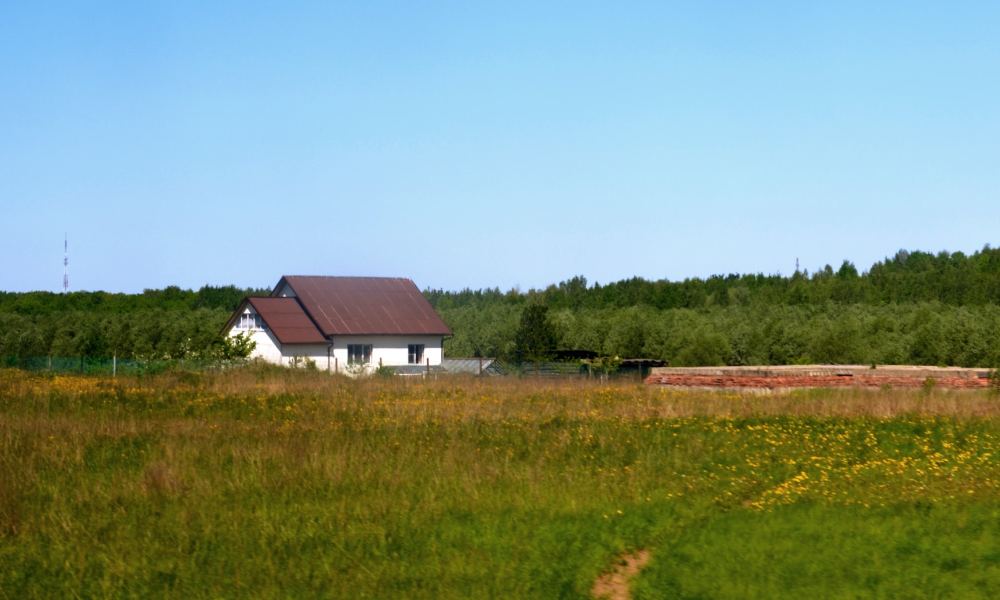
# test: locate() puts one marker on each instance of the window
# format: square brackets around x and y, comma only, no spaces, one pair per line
[416,354]
[359,354]
[250,321]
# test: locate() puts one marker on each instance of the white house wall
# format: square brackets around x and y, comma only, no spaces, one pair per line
[314,352]
[392,350]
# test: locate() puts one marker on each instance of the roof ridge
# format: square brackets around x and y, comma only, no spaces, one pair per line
[347,277]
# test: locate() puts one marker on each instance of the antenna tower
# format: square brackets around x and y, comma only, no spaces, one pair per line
[796,265]
[66,264]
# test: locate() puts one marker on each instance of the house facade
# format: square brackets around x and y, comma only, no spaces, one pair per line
[344,324]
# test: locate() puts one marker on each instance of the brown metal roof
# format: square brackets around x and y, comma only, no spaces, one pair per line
[365,305]
[287,321]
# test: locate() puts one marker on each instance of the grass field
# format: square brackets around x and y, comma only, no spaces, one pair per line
[270,483]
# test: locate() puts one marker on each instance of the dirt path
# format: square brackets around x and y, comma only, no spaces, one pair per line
[614,584]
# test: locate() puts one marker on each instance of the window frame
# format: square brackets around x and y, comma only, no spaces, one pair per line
[250,321]
[365,351]
[415,353]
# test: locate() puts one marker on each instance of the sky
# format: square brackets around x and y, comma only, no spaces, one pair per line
[489,144]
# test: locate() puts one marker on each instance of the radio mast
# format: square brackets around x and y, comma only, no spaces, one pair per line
[66,264]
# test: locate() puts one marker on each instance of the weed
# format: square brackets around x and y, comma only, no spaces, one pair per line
[384,372]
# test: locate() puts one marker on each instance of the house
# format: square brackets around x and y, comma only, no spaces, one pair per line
[342,323]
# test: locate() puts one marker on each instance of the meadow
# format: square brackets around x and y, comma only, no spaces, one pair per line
[275,483]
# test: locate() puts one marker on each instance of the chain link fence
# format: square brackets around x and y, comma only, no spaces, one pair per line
[132,366]
[111,366]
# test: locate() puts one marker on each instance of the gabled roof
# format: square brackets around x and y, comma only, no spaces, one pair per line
[284,317]
[365,305]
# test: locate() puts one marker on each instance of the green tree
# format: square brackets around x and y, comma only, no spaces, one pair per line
[705,349]
[841,342]
[536,338]
[928,346]
[627,334]
[239,346]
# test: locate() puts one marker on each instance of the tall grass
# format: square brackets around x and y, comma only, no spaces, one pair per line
[270,482]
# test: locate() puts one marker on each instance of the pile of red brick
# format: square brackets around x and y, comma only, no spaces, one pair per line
[956,383]
[819,376]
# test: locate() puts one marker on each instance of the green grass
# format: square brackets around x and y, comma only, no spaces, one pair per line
[271,484]
[812,551]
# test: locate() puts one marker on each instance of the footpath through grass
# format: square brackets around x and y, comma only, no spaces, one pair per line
[268,483]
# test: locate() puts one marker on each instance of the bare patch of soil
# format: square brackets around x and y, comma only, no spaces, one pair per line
[614,583]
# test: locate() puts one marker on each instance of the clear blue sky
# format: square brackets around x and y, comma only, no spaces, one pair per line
[464,144]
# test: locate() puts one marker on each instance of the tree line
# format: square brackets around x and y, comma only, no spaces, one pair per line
[169,299]
[925,333]
[913,308]
[954,279]
[157,324]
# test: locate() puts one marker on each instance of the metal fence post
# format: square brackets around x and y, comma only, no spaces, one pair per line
[114,366]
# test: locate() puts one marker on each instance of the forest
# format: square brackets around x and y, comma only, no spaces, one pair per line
[914,308]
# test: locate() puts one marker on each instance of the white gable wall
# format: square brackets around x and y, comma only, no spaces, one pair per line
[268,346]
[270,349]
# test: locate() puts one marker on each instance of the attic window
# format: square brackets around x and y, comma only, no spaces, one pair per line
[359,354]
[249,321]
